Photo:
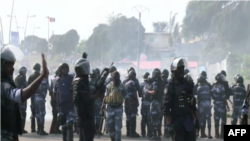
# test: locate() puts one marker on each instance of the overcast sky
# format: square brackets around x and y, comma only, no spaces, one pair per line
[82,15]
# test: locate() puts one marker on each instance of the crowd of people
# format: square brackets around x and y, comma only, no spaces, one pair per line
[80,101]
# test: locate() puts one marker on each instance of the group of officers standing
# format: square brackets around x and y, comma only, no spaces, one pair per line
[77,104]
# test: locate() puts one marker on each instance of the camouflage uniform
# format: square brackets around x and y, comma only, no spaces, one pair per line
[114,117]
[40,108]
[239,94]
[21,83]
[218,96]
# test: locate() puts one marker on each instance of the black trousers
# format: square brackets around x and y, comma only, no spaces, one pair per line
[87,130]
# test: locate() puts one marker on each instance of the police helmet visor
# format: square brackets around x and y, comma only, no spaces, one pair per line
[178,62]
[84,65]
[11,53]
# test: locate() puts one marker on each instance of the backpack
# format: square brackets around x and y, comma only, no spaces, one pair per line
[114,97]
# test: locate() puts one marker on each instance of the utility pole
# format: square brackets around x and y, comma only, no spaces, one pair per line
[1,30]
[11,20]
[27,23]
[139,9]
[16,26]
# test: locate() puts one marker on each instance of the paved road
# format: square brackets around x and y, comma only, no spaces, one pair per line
[53,137]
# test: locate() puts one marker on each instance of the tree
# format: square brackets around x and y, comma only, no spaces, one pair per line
[81,47]
[34,43]
[117,41]
[64,43]
[160,26]
[223,25]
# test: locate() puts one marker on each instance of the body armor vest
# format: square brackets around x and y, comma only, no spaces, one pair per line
[182,101]
[11,121]
[239,94]
[218,90]
[146,96]
[203,92]
[63,89]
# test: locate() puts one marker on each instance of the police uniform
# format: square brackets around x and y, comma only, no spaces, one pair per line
[66,106]
[131,88]
[239,95]
[40,108]
[33,77]
[204,103]
[218,95]
[144,109]
[84,108]
[21,83]
[114,113]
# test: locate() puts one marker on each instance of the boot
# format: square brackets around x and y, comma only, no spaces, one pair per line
[133,128]
[209,133]
[23,124]
[159,135]
[42,132]
[70,133]
[150,135]
[143,130]
[154,137]
[128,128]
[203,135]
[57,126]
[112,139]
[217,132]
[33,125]
[38,129]
[222,131]
[64,133]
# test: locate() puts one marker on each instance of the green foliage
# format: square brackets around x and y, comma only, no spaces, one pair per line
[64,43]
[81,47]
[116,41]
[34,43]
[224,25]
[160,26]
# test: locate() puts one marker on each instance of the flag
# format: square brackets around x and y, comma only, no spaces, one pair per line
[51,19]
[14,38]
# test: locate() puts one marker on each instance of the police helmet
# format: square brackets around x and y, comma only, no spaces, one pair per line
[223,72]
[64,65]
[131,68]
[84,55]
[235,77]
[220,77]
[23,70]
[201,78]
[97,70]
[204,74]
[82,67]
[186,71]
[239,79]
[131,73]
[145,75]
[165,73]
[37,67]
[112,69]
[156,73]
[178,62]
[188,77]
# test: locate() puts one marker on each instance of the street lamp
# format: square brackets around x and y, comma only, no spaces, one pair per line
[16,24]
[27,23]
[139,9]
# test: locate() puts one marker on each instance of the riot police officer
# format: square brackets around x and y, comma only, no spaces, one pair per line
[32,77]
[179,106]
[137,83]
[21,83]
[64,100]
[203,92]
[11,97]
[156,104]
[143,106]
[84,101]
[108,80]
[134,103]
[220,104]
[239,94]
[164,76]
